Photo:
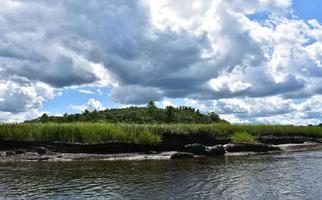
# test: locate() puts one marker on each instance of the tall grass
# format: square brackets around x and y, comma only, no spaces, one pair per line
[89,133]
[94,133]
[243,137]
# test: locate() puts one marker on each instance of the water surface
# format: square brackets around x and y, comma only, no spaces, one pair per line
[280,176]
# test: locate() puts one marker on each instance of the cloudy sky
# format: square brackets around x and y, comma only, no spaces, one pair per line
[251,61]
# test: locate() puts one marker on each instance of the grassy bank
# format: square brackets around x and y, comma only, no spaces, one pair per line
[94,133]
[243,137]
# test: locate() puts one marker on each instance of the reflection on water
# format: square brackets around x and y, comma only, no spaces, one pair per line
[283,176]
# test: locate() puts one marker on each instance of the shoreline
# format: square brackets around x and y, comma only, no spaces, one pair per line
[16,151]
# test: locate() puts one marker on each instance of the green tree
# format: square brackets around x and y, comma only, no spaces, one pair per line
[148,114]
[151,105]
[44,118]
[214,117]
[170,114]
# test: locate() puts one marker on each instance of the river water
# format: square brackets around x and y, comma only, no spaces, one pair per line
[280,176]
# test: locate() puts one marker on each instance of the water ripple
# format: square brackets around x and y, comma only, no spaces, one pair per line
[281,176]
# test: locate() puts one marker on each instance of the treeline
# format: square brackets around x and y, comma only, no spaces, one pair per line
[139,115]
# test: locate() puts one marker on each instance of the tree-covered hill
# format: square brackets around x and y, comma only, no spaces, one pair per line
[140,115]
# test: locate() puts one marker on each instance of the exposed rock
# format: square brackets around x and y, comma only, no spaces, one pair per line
[20,151]
[43,158]
[41,150]
[37,158]
[215,150]
[10,153]
[250,148]
[297,147]
[182,155]
[287,139]
[319,140]
[197,149]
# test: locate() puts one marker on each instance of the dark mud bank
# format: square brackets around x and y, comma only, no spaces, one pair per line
[108,148]
[180,146]
[170,142]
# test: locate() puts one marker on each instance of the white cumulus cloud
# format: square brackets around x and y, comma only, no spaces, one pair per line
[91,105]
[205,50]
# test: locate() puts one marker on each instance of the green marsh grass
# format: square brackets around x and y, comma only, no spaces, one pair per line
[89,133]
[243,137]
[95,133]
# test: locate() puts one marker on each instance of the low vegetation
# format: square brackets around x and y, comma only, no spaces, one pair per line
[94,133]
[243,137]
[142,125]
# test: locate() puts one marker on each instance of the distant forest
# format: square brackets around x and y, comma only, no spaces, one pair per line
[140,115]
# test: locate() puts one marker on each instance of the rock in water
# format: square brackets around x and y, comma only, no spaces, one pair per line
[182,155]
[215,150]
[20,151]
[10,153]
[250,148]
[197,149]
[41,150]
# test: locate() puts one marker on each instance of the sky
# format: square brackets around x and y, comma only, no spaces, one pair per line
[250,61]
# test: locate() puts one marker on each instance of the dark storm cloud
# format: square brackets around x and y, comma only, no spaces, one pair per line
[118,34]
[189,53]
